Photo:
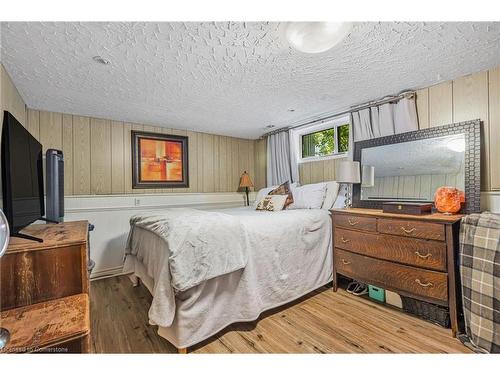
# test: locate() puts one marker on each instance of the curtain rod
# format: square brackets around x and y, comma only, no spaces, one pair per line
[359,107]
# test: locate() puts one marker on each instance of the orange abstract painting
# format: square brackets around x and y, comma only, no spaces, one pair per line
[159,160]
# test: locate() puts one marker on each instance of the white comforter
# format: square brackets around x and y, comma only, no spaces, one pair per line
[289,255]
[201,244]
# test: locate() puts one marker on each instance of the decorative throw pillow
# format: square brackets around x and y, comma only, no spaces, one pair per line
[265,191]
[272,203]
[262,193]
[283,189]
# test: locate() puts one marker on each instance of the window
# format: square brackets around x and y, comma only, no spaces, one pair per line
[319,143]
[324,140]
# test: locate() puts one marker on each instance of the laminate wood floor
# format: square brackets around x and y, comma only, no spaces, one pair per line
[321,322]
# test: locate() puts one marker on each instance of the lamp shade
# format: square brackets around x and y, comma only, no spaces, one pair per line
[367,175]
[245,180]
[348,172]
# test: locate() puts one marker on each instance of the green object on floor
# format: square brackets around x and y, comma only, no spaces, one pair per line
[376,293]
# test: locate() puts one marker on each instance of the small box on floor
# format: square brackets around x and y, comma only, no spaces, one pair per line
[393,299]
[376,293]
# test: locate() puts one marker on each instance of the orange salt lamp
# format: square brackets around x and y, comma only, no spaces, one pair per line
[448,199]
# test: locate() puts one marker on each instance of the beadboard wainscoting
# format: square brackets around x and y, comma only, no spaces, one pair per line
[110,215]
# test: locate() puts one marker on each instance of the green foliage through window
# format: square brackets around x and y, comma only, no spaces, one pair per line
[343,138]
[322,143]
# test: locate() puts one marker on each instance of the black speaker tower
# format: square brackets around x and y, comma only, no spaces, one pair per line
[54,185]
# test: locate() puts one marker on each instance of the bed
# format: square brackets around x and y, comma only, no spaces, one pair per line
[287,254]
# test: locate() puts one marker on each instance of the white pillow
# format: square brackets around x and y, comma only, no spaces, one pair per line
[332,190]
[308,196]
[272,203]
[265,191]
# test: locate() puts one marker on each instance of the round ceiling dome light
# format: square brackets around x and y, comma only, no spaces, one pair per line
[316,37]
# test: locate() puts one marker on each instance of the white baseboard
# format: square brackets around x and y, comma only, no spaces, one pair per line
[490,201]
[109,272]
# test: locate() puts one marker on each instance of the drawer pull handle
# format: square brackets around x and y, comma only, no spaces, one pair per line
[428,255]
[424,285]
[344,240]
[352,222]
[408,231]
[345,262]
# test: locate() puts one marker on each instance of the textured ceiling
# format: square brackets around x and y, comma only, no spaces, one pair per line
[230,78]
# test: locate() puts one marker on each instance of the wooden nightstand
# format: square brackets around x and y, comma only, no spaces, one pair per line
[57,326]
[44,289]
[415,256]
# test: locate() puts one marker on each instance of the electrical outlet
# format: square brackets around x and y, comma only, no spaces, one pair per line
[137,202]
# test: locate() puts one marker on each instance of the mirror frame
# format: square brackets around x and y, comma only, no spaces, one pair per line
[472,183]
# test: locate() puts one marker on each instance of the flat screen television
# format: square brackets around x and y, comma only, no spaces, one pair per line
[22,175]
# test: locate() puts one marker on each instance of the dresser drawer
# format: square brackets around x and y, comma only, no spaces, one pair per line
[409,228]
[414,282]
[356,222]
[411,251]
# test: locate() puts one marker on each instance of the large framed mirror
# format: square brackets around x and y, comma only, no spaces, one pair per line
[409,167]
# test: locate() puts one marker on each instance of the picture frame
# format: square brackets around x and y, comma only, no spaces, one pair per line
[159,160]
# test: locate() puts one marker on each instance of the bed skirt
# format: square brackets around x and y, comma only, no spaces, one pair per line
[188,330]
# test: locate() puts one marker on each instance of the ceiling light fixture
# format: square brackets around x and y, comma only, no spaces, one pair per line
[270,126]
[101,60]
[316,37]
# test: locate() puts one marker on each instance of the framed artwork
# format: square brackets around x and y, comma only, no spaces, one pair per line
[159,161]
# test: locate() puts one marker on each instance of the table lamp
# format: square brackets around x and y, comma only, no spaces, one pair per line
[246,182]
[348,173]
[367,176]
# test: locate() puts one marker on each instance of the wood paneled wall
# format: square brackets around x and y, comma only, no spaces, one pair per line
[98,150]
[10,100]
[98,157]
[468,98]
[318,171]
[465,98]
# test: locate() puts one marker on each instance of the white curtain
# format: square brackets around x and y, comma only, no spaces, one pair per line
[281,159]
[386,119]
[405,116]
[294,158]
[362,125]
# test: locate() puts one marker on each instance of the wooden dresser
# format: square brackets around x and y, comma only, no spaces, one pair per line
[414,256]
[44,289]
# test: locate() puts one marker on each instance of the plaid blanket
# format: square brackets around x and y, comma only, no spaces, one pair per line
[480,274]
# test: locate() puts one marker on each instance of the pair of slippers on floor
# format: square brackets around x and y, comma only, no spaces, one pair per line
[356,288]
